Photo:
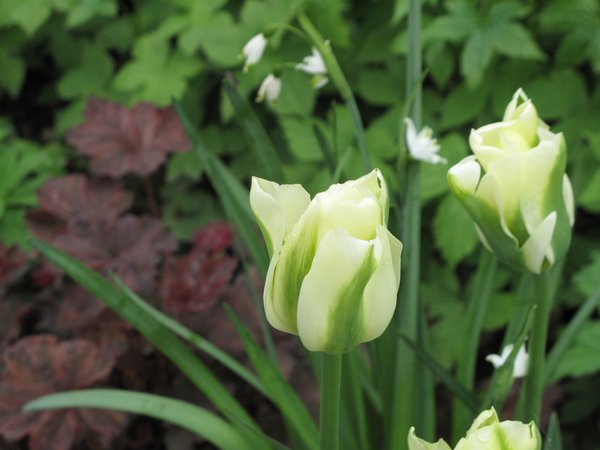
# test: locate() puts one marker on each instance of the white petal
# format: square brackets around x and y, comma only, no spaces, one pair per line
[519,435]
[537,247]
[569,199]
[521,365]
[464,176]
[253,50]
[277,208]
[499,360]
[313,64]
[381,291]
[330,302]
[269,89]
[416,443]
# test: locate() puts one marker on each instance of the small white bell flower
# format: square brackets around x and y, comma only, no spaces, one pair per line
[521,364]
[253,50]
[269,89]
[314,65]
[422,145]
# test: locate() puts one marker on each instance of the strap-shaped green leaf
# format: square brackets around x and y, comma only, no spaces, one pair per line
[157,333]
[191,417]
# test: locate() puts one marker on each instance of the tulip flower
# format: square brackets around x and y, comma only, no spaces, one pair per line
[253,50]
[269,89]
[516,190]
[335,268]
[487,433]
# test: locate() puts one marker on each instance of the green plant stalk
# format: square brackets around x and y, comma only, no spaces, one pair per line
[334,72]
[476,310]
[331,376]
[534,382]
[405,401]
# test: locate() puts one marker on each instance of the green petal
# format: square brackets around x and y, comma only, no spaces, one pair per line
[464,177]
[484,419]
[416,443]
[569,199]
[277,209]
[381,292]
[330,317]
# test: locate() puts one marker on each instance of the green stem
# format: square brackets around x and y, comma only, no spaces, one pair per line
[331,376]
[534,383]
[477,307]
[405,401]
[334,71]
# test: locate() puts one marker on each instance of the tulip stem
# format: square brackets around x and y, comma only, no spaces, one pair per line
[534,383]
[334,71]
[331,376]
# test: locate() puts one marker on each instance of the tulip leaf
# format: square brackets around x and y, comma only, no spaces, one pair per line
[582,356]
[553,437]
[445,377]
[193,418]
[256,135]
[282,394]
[148,326]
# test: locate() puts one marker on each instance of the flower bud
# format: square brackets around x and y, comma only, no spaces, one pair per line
[270,89]
[253,50]
[516,190]
[335,268]
[487,433]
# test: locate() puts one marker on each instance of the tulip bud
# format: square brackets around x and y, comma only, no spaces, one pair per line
[487,433]
[516,190]
[335,268]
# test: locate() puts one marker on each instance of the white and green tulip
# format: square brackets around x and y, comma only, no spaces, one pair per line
[487,433]
[335,268]
[516,190]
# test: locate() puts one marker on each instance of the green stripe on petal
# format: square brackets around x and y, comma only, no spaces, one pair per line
[330,317]
[277,209]
[381,291]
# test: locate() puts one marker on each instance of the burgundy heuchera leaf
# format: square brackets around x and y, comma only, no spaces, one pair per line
[40,365]
[195,282]
[120,140]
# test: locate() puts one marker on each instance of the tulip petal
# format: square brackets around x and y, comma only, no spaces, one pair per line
[538,248]
[569,199]
[277,209]
[330,305]
[416,443]
[521,436]
[380,293]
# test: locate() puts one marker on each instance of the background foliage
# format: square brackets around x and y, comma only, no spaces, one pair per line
[56,55]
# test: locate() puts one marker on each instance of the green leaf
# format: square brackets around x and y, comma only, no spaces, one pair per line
[13,70]
[476,56]
[454,230]
[156,73]
[587,279]
[553,438]
[79,12]
[233,196]
[28,14]
[297,95]
[91,76]
[445,377]
[589,198]
[282,394]
[379,86]
[185,165]
[301,139]
[559,94]
[582,357]
[198,420]
[256,135]
[441,63]
[513,39]
[462,106]
[159,335]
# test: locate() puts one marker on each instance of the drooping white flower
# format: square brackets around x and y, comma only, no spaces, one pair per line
[269,89]
[422,145]
[521,364]
[314,65]
[253,50]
